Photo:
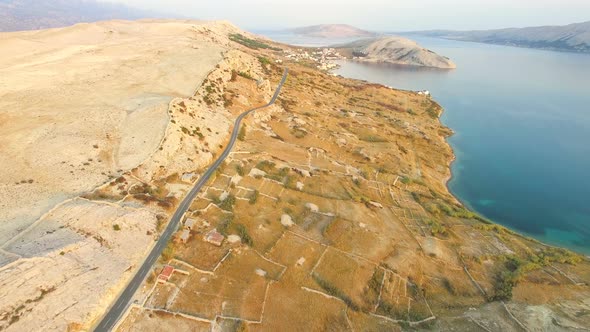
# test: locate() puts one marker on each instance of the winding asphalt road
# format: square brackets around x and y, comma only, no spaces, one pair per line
[112,316]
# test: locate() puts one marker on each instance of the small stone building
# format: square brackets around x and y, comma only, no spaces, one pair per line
[190,223]
[185,235]
[214,237]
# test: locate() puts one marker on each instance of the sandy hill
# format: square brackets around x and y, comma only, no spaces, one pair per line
[17,15]
[332,31]
[398,50]
[573,37]
[82,106]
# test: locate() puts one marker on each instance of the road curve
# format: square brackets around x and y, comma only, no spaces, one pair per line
[114,313]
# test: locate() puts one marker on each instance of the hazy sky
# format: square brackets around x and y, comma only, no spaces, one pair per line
[391,15]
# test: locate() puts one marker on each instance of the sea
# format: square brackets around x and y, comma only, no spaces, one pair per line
[521,119]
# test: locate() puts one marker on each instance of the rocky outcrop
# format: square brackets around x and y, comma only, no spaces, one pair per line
[398,50]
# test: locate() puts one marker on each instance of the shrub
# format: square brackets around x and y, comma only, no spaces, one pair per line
[207,99]
[264,61]
[284,171]
[457,212]
[250,43]
[449,286]
[116,227]
[244,235]
[446,209]
[372,138]
[224,224]
[228,203]
[559,255]
[160,219]
[299,133]
[373,288]
[432,112]
[242,133]
[266,166]
[464,213]
[289,182]
[168,252]
[390,310]
[240,170]
[405,180]
[245,75]
[505,280]
[334,291]
[254,198]
[416,196]
[432,208]
[436,228]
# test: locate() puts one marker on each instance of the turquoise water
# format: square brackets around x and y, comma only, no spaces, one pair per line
[522,123]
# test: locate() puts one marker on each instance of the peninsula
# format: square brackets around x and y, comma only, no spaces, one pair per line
[396,50]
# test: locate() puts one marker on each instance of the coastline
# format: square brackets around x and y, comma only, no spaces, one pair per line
[482,217]
[542,236]
[548,49]
[397,63]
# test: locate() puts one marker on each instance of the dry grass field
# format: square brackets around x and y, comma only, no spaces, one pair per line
[338,198]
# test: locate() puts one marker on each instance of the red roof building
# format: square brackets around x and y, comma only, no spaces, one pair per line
[166,273]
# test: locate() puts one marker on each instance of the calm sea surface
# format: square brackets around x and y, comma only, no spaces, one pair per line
[522,123]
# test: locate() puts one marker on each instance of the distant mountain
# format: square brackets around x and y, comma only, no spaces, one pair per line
[396,50]
[16,15]
[332,31]
[573,37]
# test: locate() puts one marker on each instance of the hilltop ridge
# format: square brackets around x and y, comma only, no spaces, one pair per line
[332,31]
[18,15]
[572,37]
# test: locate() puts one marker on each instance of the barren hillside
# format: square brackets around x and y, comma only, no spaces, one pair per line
[82,107]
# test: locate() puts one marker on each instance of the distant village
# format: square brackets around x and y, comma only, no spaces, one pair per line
[322,57]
